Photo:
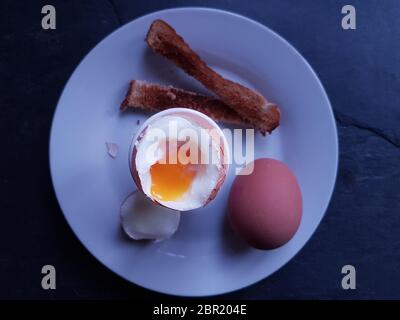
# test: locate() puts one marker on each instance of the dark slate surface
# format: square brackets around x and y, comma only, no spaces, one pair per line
[360,70]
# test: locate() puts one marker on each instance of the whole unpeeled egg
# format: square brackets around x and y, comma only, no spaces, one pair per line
[265,207]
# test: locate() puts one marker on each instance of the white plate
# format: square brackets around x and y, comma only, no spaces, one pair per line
[203,257]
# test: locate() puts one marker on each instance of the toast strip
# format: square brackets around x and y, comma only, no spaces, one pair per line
[150,96]
[248,103]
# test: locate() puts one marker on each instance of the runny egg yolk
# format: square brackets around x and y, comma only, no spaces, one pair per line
[170,181]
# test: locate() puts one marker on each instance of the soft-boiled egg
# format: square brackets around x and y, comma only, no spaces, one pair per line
[179,159]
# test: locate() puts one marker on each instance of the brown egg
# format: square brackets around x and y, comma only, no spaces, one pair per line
[265,207]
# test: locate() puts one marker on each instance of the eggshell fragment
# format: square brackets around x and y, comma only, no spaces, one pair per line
[112,149]
[265,207]
[143,219]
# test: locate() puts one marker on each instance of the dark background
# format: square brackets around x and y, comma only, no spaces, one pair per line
[360,70]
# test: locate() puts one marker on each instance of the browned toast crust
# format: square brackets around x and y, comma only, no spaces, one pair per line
[150,96]
[248,103]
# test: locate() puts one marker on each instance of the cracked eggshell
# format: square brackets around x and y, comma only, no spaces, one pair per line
[142,219]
